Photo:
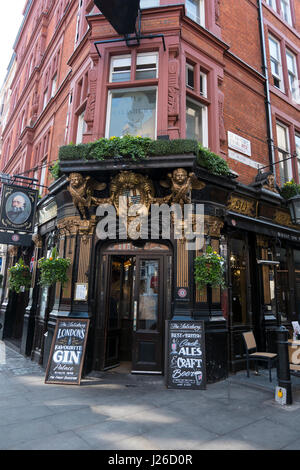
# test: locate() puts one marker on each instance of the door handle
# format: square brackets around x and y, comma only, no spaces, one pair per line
[134,314]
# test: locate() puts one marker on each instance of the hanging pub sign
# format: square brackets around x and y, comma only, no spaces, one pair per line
[67,351]
[18,206]
[185,355]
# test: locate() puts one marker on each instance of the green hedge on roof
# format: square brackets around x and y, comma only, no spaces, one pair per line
[139,148]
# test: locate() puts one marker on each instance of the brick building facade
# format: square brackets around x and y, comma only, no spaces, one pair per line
[222,73]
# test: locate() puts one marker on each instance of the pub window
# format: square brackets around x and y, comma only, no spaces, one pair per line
[297,278]
[238,272]
[276,65]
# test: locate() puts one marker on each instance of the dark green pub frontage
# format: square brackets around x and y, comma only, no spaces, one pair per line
[129,288]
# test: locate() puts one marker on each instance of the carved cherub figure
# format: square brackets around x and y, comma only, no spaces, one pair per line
[82,189]
[181,184]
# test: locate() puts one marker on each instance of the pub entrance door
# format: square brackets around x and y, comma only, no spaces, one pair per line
[136,305]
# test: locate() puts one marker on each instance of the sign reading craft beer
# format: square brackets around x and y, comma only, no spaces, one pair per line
[186,355]
[18,206]
[67,351]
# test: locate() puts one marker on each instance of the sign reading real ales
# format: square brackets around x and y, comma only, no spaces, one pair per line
[186,355]
[67,351]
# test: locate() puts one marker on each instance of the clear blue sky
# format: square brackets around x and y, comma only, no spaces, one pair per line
[10,21]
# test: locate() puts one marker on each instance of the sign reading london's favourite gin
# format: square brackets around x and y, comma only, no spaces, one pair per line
[67,351]
[186,355]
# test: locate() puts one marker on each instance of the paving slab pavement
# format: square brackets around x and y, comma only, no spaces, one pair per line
[120,411]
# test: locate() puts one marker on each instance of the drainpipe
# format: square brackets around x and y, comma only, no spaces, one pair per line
[267,91]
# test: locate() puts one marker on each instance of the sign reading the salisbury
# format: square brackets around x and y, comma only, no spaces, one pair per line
[67,351]
[186,355]
[18,206]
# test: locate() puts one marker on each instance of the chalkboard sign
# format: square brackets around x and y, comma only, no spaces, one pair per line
[186,355]
[67,351]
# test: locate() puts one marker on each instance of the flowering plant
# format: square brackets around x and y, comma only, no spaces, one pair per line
[19,277]
[290,189]
[209,269]
[53,269]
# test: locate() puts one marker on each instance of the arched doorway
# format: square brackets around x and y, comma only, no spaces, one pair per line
[134,302]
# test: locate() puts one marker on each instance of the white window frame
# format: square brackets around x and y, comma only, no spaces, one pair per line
[45,98]
[278,62]
[285,11]
[203,88]
[292,74]
[112,61]
[284,153]
[54,85]
[149,3]
[124,90]
[146,54]
[272,4]
[200,17]
[43,177]
[297,147]
[187,68]
[81,127]
[204,142]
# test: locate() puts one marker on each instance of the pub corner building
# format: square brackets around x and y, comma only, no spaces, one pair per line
[176,81]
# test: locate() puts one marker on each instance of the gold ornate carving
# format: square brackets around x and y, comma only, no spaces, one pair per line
[37,240]
[270,183]
[138,189]
[283,218]
[82,189]
[212,226]
[181,184]
[12,250]
[242,206]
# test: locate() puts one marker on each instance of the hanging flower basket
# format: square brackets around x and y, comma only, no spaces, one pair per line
[209,269]
[53,269]
[19,277]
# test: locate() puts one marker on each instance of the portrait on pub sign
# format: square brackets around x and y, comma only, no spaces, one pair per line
[18,206]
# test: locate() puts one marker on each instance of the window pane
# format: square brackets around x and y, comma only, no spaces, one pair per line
[133,112]
[281,137]
[195,11]
[148,295]
[149,3]
[274,50]
[189,75]
[195,121]
[120,69]
[146,66]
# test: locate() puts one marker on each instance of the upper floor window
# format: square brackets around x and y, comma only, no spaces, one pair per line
[272,4]
[292,74]
[146,67]
[196,121]
[285,167]
[297,144]
[195,9]
[276,65]
[285,6]
[149,3]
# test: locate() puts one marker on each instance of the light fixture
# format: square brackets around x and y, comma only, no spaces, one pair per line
[294,206]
